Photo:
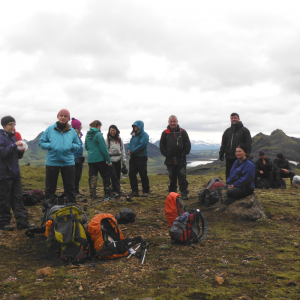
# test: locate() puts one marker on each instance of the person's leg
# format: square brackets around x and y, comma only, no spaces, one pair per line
[78,173]
[133,170]
[93,179]
[229,164]
[17,204]
[183,183]
[115,182]
[5,202]
[277,175]
[292,174]
[51,180]
[104,172]
[144,174]
[68,177]
[172,170]
[236,193]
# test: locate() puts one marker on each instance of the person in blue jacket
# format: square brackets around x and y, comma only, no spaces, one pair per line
[61,141]
[240,182]
[138,151]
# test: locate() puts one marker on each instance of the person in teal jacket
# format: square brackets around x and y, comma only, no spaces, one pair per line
[138,151]
[61,141]
[98,159]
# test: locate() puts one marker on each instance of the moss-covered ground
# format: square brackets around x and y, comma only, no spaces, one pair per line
[241,252]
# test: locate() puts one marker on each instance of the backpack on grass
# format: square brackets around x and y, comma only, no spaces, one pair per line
[214,183]
[209,197]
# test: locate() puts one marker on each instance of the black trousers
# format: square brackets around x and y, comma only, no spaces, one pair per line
[229,164]
[237,193]
[269,175]
[115,175]
[138,164]
[102,168]
[11,195]
[68,177]
[78,173]
[177,172]
[279,174]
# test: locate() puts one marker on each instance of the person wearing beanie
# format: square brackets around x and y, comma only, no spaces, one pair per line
[240,182]
[263,169]
[78,155]
[282,169]
[61,141]
[232,137]
[11,194]
[116,151]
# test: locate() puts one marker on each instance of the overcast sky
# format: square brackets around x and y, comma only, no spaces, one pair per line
[125,60]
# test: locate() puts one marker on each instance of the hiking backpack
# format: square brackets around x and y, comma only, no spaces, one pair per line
[214,183]
[109,242]
[32,197]
[209,197]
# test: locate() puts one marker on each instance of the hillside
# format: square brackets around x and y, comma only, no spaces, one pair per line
[199,145]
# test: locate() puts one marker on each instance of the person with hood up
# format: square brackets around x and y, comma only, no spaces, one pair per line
[116,151]
[233,136]
[61,141]
[175,145]
[240,182]
[78,155]
[98,159]
[282,169]
[11,193]
[138,151]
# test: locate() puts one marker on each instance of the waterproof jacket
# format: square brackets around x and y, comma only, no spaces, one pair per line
[138,145]
[175,145]
[281,164]
[232,137]
[9,156]
[259,166]
[78,155]
[116,151]
[61,145]
[242,174]
[96,147]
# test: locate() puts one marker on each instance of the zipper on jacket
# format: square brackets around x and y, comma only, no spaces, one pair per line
[231,140]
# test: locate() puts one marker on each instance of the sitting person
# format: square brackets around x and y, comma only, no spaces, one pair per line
[282,169]
[240,182]
[263,168]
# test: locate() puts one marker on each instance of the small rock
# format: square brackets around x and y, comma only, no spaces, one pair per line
[97,212]
[20,272]
[296,245]
[220,280]
[80,288]
[206,271]
[44,271]
[291,283]
[255,280]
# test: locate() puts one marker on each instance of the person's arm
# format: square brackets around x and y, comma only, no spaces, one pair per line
[246,177]
[76,145]
[7,151]
[143,143]
[288,166]
[248,139]
[275,165]
[162,144]
[123,154]
[269,164]
[102,147]
[223,145]
[44,141]
[186,143]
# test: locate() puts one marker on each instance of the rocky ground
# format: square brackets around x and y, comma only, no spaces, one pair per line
[237,260]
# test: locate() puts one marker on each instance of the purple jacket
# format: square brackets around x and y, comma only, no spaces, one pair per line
[9,156]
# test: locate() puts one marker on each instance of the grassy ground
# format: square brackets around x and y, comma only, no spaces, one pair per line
[266,252]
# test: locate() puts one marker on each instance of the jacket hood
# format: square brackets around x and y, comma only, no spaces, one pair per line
[140,125]
[92,132]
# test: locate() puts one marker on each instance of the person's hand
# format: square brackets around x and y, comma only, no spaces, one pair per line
[23,150]
[285,170]
[264,162]
[230,186]
[221,158]
[19,143]
[261,172]
[110,165]
[129,152]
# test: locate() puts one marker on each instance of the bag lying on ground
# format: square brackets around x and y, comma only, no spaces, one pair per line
[174,207]
[210,197]
[32,197]
[125,216]
[296,181]
[214,183]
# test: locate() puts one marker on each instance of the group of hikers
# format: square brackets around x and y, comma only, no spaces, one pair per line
[63,142]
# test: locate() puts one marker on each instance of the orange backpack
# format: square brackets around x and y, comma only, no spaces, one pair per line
[174,207]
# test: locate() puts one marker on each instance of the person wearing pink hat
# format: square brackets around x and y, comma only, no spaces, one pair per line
[61,141]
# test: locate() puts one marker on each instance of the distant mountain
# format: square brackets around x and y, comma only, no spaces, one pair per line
[153,151]
[200,145]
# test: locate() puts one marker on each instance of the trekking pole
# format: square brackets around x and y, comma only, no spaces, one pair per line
[145,252]
[85,207]
[134,251]
[96,201]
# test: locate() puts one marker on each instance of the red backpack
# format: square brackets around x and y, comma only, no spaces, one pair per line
[214,184]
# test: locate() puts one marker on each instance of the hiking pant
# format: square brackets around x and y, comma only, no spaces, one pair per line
[102,168]
[237,193]
[138,164]
[115,175]
[68,178]
[229,164]
[11,197]
[269,175]
[279,174]
[78,173]
[177,172]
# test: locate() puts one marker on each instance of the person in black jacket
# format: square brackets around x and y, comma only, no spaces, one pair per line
[282,169]
[263,168]
[175,145]
[233,136]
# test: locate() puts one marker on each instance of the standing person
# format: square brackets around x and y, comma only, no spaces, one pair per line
[78,155]
[263,168]
[11,194]
[175,145]
[240,182]
[233,136]
[116,151]
[282,169]
[97,158]
[138,151]
[61,141]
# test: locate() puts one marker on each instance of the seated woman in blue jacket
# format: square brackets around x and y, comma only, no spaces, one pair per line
[240,182]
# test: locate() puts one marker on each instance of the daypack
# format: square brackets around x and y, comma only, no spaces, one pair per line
[109,242]
[32,197]
[214,183]
[68,232]
[125,216]
[209,197]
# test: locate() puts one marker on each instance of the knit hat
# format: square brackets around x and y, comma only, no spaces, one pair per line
[6,120]
[75,123]
[65,112]
[243,147]
[261,153]
[279,155]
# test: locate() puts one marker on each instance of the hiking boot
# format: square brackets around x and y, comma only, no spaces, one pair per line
[29,226]
[145,194]
[134,194]
[7,227]
[184,195]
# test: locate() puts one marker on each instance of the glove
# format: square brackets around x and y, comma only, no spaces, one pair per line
[221,156]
